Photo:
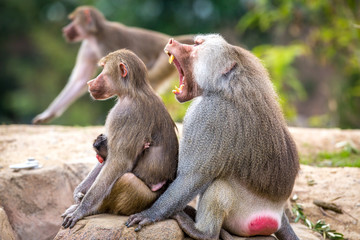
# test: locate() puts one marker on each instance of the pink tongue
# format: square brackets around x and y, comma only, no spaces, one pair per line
[157,186]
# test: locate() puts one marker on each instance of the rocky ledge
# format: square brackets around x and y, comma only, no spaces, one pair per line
[106,226]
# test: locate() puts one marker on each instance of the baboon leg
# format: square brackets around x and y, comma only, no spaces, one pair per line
[213,210]
[210,215]
[129,195]
[286,232]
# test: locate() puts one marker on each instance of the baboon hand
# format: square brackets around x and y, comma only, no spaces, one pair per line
[71,209]
[71,219]
[141,219]
[78,197]
[43,117]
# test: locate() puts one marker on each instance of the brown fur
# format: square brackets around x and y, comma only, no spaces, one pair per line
[129,195]
[138,118]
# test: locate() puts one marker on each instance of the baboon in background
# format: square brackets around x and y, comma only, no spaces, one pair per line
[100,37]
[236,150]
[142,146]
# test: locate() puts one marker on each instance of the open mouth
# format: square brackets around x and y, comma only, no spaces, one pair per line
[172,59]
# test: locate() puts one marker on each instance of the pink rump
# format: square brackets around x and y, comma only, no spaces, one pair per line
[263,225]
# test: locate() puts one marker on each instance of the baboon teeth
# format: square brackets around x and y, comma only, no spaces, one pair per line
[178,90]
[171,58]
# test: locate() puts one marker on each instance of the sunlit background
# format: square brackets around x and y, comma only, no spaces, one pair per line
[311,49]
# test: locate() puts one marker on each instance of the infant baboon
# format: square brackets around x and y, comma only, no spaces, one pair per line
[100,147]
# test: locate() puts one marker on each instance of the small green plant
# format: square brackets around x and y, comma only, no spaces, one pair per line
[348,156]
[320,226]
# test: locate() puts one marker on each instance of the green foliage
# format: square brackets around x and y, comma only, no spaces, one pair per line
[320,226]
[333,159]
[348,156]
[37,61]
[323,120]
[279,61]
[265,14]
[329,30]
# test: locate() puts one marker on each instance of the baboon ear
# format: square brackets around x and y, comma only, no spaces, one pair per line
[123,70]
[228,70]
[87,16]
[89,20]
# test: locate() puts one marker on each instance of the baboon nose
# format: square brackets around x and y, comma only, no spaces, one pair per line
[171,41]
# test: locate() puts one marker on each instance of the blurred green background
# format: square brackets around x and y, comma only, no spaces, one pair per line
[311,49]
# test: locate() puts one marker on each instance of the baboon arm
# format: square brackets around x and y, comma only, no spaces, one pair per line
[174,199]
[86,64]
[102,186]
[178,195]
[85,185]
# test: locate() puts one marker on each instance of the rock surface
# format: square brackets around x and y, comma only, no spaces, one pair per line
[106,226]
[6,231]
[34,200]
[340,186]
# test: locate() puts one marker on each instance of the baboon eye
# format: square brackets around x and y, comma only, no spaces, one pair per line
[198,42]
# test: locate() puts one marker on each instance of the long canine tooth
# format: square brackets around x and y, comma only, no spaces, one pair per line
[171,59]
[176,90]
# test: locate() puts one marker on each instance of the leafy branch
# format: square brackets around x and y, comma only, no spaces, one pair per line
[320,226]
